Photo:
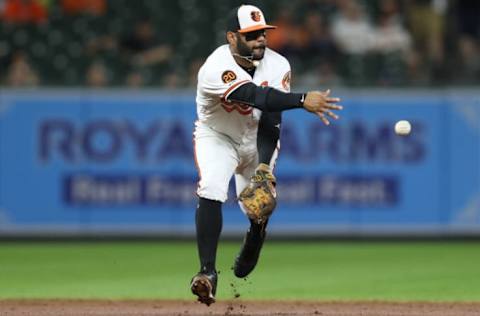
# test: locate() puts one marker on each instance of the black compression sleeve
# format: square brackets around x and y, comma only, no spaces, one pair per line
[268,135]
[208,221]
[244,94]
[266,98]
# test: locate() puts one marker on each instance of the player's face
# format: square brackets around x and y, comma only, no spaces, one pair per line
[252,43]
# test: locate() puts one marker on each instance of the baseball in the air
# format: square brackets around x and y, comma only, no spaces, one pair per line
[403,128]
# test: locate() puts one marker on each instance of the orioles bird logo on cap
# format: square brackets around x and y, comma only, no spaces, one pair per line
[255,16]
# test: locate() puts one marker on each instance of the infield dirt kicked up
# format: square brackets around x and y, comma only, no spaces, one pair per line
[231,308]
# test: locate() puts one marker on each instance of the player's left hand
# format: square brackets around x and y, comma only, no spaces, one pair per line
[321,104]
[258,199]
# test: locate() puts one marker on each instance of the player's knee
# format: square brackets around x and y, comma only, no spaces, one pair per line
[212,191]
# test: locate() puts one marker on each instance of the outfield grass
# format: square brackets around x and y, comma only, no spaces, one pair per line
[434,271]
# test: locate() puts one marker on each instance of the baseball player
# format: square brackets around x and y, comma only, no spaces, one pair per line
[242,89]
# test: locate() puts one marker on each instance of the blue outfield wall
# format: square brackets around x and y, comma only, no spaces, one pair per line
[118,162]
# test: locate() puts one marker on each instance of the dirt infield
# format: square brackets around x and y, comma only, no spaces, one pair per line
[229,308]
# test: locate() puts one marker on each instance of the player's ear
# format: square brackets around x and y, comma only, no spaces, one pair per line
[231,38]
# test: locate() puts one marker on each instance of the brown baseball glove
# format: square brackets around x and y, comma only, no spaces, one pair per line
[259,197]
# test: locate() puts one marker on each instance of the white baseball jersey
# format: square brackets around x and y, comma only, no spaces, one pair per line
[220,75]
[226,132]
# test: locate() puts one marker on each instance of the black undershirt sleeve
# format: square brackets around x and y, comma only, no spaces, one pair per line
[268,135]
[271,102]
[265,98]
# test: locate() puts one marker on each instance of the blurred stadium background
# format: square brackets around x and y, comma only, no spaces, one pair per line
[97,109]
[104,43]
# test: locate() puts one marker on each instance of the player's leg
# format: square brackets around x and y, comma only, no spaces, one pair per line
[216,161]
[208,222]
[249,253]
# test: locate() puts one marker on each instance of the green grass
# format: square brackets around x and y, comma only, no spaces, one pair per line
[434,271]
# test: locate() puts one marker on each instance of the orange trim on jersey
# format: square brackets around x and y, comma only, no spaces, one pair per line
[230,106]
[241,108]
[256,28]
[230,90]
[244,111]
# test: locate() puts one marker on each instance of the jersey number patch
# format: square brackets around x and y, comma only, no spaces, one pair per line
[228,76]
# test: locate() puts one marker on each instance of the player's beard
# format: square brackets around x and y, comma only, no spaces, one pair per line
[246,51]
[258,52]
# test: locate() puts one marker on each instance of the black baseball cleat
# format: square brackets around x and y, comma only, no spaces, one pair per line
[252,244]
[204,285]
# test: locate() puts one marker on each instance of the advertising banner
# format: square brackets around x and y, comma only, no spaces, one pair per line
[119,162]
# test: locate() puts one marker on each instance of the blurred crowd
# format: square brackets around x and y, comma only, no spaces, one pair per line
[162,43]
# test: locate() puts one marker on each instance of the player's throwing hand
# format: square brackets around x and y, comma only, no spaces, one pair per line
[322,104]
